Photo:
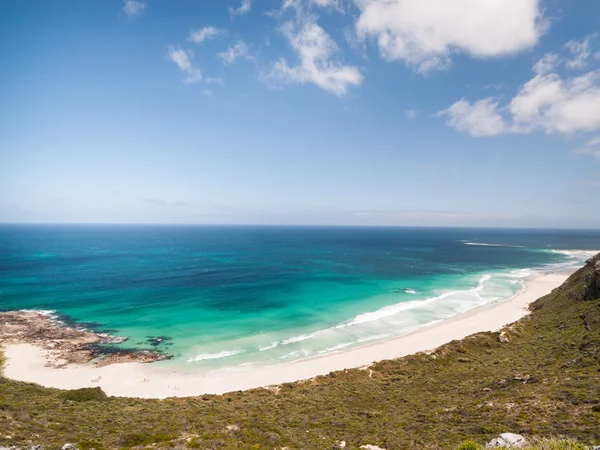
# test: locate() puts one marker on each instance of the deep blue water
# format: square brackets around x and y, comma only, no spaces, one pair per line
[224,293]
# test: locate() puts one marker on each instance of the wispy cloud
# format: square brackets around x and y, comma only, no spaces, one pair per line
[163,203]
[411,113]
[214,80]
[478,119]
[244,8]
[591,147]
[580,52]
[134,8]
[181,59]
[201,34]
[239,50]
[315,50]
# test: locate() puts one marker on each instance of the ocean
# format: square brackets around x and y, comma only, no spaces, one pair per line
[228,297]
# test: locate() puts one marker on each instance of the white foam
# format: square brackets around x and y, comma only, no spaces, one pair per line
[410,291]
[300,338]
[42,312]
[576,254]
[390,310]
[336,347]
[296,353]
[268,347]
[223,354]
[484,244]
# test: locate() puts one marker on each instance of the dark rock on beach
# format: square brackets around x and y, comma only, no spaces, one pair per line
[69,344]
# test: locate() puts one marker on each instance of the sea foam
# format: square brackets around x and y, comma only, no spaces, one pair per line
[223,354]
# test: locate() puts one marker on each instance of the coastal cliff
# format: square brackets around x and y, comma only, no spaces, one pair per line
[536,377]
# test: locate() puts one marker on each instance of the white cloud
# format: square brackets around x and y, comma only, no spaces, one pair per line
[314,49]
[547,102]
[546,64]
[553,104]
[239,50]
[202,34]
[580,52]
[302,6]
[478,119]
[182,60]
[335,4]
[425,33]
[243,9]
[213,80]
[411,113]
[591,147]
[133,8]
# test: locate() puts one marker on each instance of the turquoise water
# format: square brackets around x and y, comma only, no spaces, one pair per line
[233,296]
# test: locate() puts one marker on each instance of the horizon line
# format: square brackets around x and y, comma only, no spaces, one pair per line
[266,225]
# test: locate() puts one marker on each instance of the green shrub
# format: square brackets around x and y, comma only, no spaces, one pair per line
[84,395]
[554,444]
[468,445]
[193,443]
[135,439]
[86,445]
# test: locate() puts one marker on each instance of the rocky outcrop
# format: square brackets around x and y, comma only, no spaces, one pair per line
[68,344]
[510,440]
[591,288]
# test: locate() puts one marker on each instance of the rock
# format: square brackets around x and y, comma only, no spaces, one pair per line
[371,447]
[507,440]
[342,444]
[233,427]
[502,337]
[591,289]
[68,447]
[596,447]
[36,447]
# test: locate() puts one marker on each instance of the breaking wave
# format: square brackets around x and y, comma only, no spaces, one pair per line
[204,356]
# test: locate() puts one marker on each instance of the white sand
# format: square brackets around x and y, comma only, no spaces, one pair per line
[26,363]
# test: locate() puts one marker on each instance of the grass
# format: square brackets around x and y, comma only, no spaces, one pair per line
[545,381]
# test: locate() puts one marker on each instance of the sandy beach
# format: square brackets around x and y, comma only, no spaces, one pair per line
[26,362]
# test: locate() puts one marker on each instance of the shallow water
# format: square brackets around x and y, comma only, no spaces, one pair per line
[233,296]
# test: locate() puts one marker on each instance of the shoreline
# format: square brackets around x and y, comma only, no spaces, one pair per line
[27,362]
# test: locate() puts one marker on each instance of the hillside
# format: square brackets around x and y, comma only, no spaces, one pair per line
[542,378]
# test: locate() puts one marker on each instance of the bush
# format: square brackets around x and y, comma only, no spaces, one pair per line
[85,395]
[193,443]
[87,445]
[554,444]
[135,439]
[468,445]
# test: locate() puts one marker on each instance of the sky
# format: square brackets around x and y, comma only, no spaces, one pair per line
[321,112]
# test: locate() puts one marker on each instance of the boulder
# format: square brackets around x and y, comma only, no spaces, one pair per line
[68,447]
[502,337]
[371,447]
[511,440]
[36,447]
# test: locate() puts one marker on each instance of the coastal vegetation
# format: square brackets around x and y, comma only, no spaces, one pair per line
[539,377]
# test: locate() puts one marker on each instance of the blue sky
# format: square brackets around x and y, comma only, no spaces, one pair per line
[356,112]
